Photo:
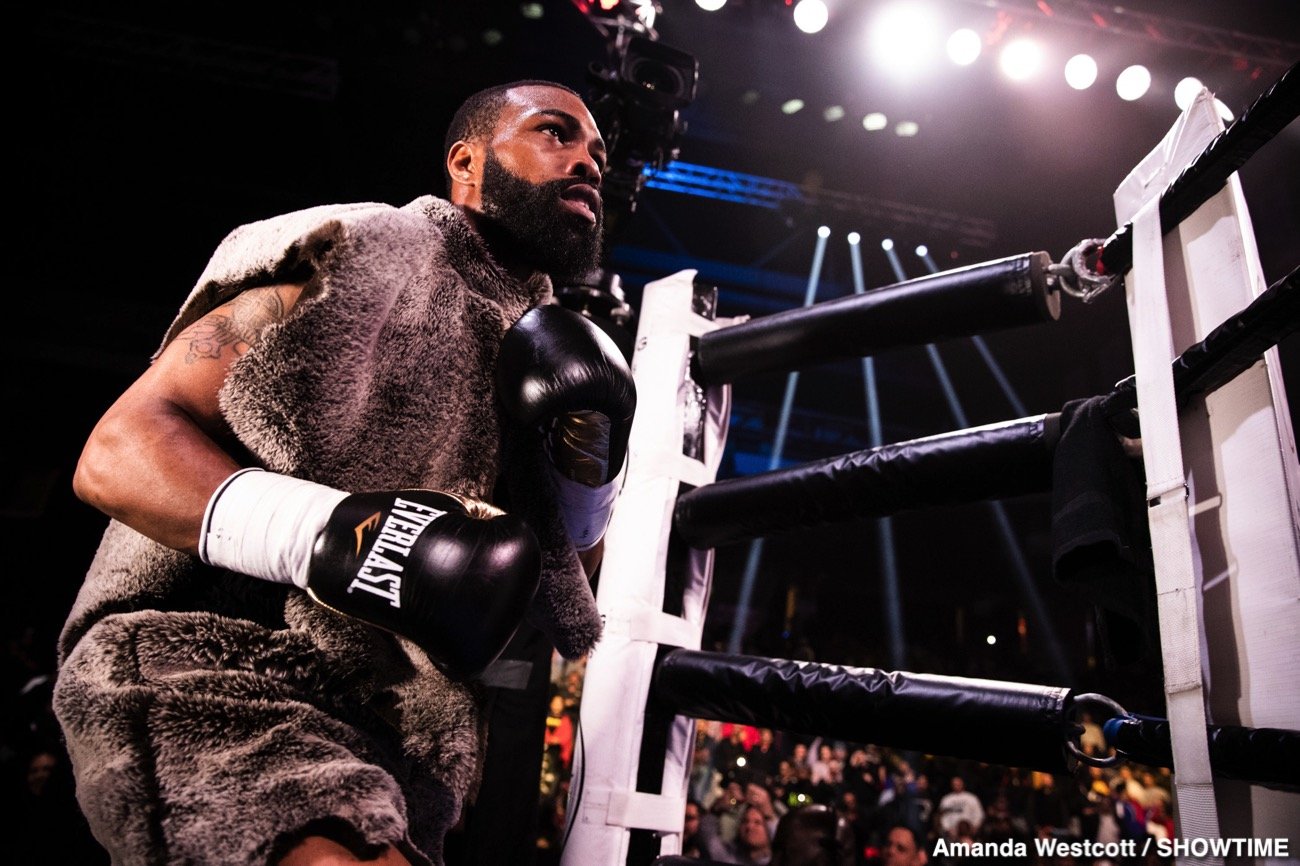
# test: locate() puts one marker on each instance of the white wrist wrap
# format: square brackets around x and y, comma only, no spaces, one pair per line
[265,525]
[587,510]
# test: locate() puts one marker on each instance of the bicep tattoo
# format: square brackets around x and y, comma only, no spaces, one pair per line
[236,325]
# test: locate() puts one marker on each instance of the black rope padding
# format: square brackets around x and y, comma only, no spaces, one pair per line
[1013,724]
[995,461]
[1224,354]
[961,302]
[1262,756]
[1209,171]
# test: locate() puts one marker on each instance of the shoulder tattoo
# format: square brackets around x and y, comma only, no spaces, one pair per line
[236,325]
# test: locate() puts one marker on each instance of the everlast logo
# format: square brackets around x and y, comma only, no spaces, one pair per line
[381,573]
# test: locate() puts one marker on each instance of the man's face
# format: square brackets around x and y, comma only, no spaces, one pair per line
[691,825]
[901,849]
[541,181]
[753,829]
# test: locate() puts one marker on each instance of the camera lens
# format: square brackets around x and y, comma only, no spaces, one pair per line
[655,76]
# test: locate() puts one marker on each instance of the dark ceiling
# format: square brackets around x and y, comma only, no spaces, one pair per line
[149,130]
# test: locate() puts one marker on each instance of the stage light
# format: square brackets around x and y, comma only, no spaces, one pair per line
[874,122]
[790,106]
[922,251]
[645,11]
[1080,71]
[833,113]
[906,128]
[1133,83]
[964,47]
[887,244]
[710,5]
[1020,59]
[823,231]
[903,38]
[991,640]
[1186,92]
[811,16]
[533,11]
[854,239]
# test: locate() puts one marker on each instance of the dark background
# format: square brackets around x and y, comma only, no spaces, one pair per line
[147,131]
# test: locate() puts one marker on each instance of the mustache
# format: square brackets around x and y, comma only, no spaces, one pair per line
[555,189]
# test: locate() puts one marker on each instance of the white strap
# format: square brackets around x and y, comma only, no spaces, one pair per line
[652,626]
[586,510]
[265,525]
[641,811]
[1171,541]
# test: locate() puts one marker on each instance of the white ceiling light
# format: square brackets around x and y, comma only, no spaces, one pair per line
[1186,92]
[904,38]
[811,15]
[907,128]
[964,47]
[1133,83]
[874,122]
[1080,71]
[833,113]
[790,106]
[710,5]
[1021,59]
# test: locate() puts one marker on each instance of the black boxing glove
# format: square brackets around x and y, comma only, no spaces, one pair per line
[453,575]
[561,374]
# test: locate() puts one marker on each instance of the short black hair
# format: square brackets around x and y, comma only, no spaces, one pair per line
[479,113]
[912,831]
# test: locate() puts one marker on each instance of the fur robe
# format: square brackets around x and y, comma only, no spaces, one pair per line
[215,718]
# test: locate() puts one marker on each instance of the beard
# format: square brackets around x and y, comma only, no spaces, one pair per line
[528,220]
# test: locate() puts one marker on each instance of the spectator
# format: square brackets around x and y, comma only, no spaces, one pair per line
[730,756]
[751,847]
[727,809]
[1049,809]
[860,777]
[1132,816]
[813,836]
[903,847]
[691,830]
[792,785]
[48,826]
[559,731]
[823,766]
[959,805]
[763,760]
[1159,824]
[759,796]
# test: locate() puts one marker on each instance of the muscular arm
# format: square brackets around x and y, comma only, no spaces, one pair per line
[155,457]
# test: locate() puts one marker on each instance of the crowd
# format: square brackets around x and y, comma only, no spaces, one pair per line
[882,796]
[755,794]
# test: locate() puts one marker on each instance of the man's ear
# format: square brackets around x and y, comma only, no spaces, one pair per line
[464,164]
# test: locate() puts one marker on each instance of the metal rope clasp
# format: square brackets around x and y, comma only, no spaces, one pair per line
[1076,273]
[1073,747]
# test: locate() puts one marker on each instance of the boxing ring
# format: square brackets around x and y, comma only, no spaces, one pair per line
[1223,508]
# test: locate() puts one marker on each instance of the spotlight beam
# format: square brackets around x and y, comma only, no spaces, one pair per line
[1157,29]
